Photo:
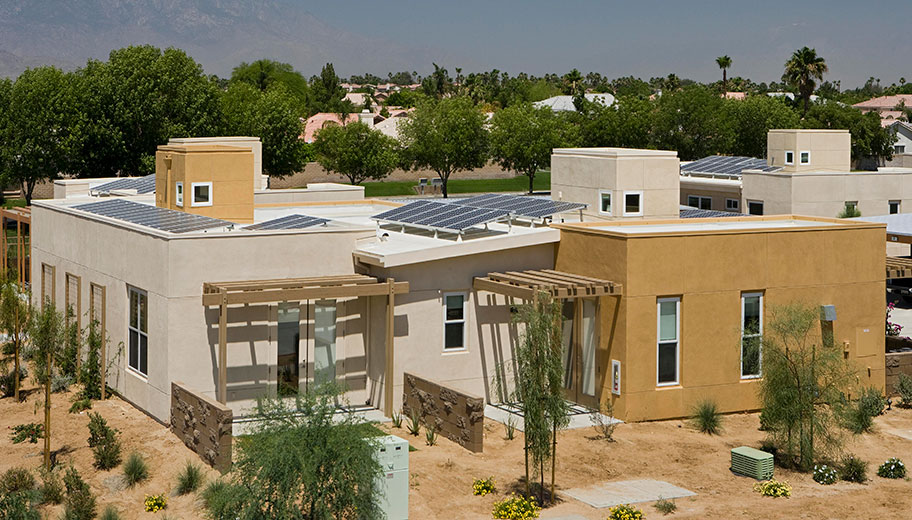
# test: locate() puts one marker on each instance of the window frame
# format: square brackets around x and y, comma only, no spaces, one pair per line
[700,199]
[759,374]
[760,202]
[193,202]
[638,213]
[850,204]
[890,204]
[463,321]
[139,333]
[899,148]
[179,194]
[46,284]
[787,161]
[610,194]
[677,340]
[737,205]
[801,157]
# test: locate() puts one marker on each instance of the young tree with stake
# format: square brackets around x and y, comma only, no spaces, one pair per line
[46,332]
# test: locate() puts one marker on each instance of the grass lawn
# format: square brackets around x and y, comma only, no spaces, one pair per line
[14,203]
[457,185]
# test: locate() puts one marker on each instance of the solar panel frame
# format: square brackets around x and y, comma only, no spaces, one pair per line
[727,165]
[288,222]
[441,216]
[146,215]
[521,206]
[142,185]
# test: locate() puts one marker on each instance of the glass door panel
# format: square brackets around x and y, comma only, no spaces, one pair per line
[324,342]
[589,346]
[567,342]
[289,342]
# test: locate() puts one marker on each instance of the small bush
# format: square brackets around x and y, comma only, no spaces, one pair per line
[397,419]
[872,400]
[98,429]
[892,468]
[18,506]
[222,500]
[79,503]
[414,423]
[824,474]
[903,387]
[773,488]
[135,469]
[81,405]
[110,513]
[51,490]
[61,383]
[483,486]
[155,503]
[604,427]
[706,417]
[430,435]
[107,453]
[666,507]
[515,508]
[27,432]
[510,427]
[8,382]
[853,469]
[860,414]
[17,480]
[190,479]
[625,512]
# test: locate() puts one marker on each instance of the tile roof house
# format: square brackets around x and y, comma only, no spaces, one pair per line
[884,104]
[317,121]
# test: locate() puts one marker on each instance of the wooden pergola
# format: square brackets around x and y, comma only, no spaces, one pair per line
[223,294]
[898,267]
[526,284]
[23,217]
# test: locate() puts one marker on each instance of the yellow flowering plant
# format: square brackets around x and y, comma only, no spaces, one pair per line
[625,512]
[773,488]
[483,486]
[516,508]
[155,503]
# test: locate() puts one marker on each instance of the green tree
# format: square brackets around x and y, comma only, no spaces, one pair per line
[869,138]
[273,117]
[446,136]
[627,124]
[805,379]
[14,318]
[37,142]
[691,121]
[356,151]
[752,118]
[438,84]
[572,83]
[90,373]
[46,332]
[724,62]
[522,138]
[262,74]
[801,71]
[304,461]
[326,91]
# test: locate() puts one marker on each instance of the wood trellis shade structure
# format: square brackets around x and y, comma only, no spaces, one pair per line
[525,284]
[23,218]
[223,294]
[899,267]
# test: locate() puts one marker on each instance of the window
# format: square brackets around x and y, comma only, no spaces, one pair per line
[698,201]
[138,331]
[48,283]
[633,203]
[751,334]
[732,204]
[899,148]
[851,207]
[605,202]
[668,326]
[755,207]
[805,157]
[454,321]
[72,291]
[202,194]
[789,157]
[179,193]
[894,207]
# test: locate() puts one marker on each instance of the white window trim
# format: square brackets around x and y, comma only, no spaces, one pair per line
[179,193]
[699,201]
[136,370]
[898,206]
[193,201]
[611,200]
[624,202]
[787,162]
[737,205]
[760,334]
[802,152]
[659,301]
[464,321]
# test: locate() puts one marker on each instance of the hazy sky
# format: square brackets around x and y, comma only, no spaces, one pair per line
[644,38]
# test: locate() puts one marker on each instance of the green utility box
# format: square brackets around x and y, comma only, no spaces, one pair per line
[752,463]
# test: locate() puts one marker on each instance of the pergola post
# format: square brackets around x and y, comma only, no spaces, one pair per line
[390,358]
[223,348]
[104,350]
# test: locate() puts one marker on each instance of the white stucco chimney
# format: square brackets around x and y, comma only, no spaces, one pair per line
[366,117]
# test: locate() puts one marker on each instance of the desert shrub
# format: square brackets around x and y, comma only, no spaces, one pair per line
[135,469]
[51,489]
[515,508]
[666,507]
[773,488]
[7,381]
[107,453]
[98,429]
[397,419]
[903,387]
[604,427]
[81,405]
[61,383]
[860,414]
[90,371]
[853,469]
[27,432]
[79,503]
[824,474]
[706,417]
[483,486]
[414,422]
[110,513]
[17,480]
[155,503]
[222,500]
[625,512]
[190,479]
[430,435]
[872,400]
[18,506]
[892,468]
[510,427]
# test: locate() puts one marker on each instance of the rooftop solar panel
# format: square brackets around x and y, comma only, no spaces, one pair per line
[152,216]
[444,216]
[687,212]
[142,185]
[530,207]
[727,165]
[296,221]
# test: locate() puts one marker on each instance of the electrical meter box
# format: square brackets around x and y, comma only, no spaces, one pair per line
[392,454]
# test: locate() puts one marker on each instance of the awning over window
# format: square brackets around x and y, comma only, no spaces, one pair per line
[558,284]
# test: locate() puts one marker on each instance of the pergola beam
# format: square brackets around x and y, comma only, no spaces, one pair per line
[526,284]
[898,268]
[315,292]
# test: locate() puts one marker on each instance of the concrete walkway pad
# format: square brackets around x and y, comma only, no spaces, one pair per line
[609,494]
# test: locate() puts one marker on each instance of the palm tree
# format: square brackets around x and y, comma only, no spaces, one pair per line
[801,70]
[724,62]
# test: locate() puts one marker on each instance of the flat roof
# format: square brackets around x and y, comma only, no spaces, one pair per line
[713,226]
[899,224]
[614,152]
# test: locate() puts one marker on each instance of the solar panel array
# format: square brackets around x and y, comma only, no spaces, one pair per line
[530,207]
[706,213]
[727,165]
[152,216]
[142,185]
[296,221]
[441,215]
